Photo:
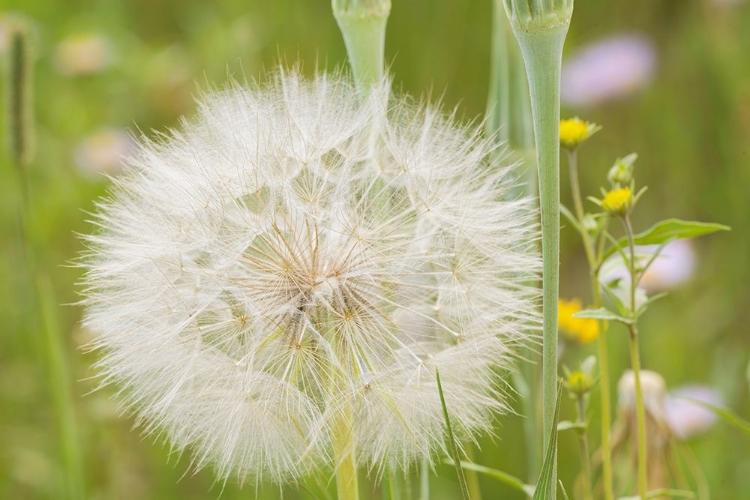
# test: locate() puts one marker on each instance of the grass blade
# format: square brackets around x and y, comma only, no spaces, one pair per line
[453,444]
[545,484]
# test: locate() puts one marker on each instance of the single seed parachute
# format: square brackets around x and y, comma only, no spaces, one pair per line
[299,256]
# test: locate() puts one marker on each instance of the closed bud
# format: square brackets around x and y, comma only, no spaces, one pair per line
[618,202]
[621,173]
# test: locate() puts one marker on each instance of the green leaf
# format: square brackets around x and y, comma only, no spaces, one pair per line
[562,487]
[726,414]
[669,230]
[602,314]
[567,425]
[454,445]
[651,300]
[545,484]
[501,476]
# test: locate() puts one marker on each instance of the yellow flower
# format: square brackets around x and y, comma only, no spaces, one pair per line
[618,201]
[581,330]
[575,131]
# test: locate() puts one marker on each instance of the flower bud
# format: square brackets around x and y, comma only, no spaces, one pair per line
[580,383]
[621,173]
[574,132]
[618,201]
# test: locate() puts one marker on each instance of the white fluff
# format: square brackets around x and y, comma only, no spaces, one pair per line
[295,251]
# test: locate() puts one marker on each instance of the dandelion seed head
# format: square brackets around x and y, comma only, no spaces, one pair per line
[297,251]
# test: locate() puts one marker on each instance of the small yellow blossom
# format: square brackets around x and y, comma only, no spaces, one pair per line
[575,131]
[581,330]
[618,201]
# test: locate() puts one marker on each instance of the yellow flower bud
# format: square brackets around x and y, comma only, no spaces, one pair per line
[580,383]
[574,131]
[618,201]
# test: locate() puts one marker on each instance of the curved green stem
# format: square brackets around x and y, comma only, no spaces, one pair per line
[508,121]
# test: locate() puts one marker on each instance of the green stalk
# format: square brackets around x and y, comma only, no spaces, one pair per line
[472,477]
[583,445]
[635,361]
[347,483]
[606,398]
[62,394]
[508,106]
[424,480]
[593,256]
[21,137]
[508,120]
[362,24]
[542,52]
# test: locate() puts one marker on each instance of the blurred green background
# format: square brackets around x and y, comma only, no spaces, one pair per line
[690,126]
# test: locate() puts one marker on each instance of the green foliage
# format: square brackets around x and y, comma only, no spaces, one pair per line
[453,444]
[670,230]
[546,483]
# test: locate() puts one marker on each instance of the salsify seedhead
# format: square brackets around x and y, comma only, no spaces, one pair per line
[299,255]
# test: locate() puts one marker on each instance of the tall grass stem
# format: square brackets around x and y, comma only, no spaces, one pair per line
[542,52]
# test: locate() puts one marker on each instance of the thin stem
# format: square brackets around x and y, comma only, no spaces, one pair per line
[542,52]
[42,297]
[394,491]
[640,413]
[606,397]
[583,445]
[635,361]
[578,205]
[472,477]
[424,480]
[593,256]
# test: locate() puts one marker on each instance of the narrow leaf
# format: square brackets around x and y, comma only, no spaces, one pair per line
[669,230]
[567,425]
[562,487]
[663,493]
[602,314]
[545,484]
[452,439]
[726,414]
[501,476]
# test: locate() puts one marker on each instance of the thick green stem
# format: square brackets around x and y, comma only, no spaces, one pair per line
[509,120]
[508,104]
[635,360]
[362,24]
[542,52]
[583,445]
[347,484]
[593,256]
